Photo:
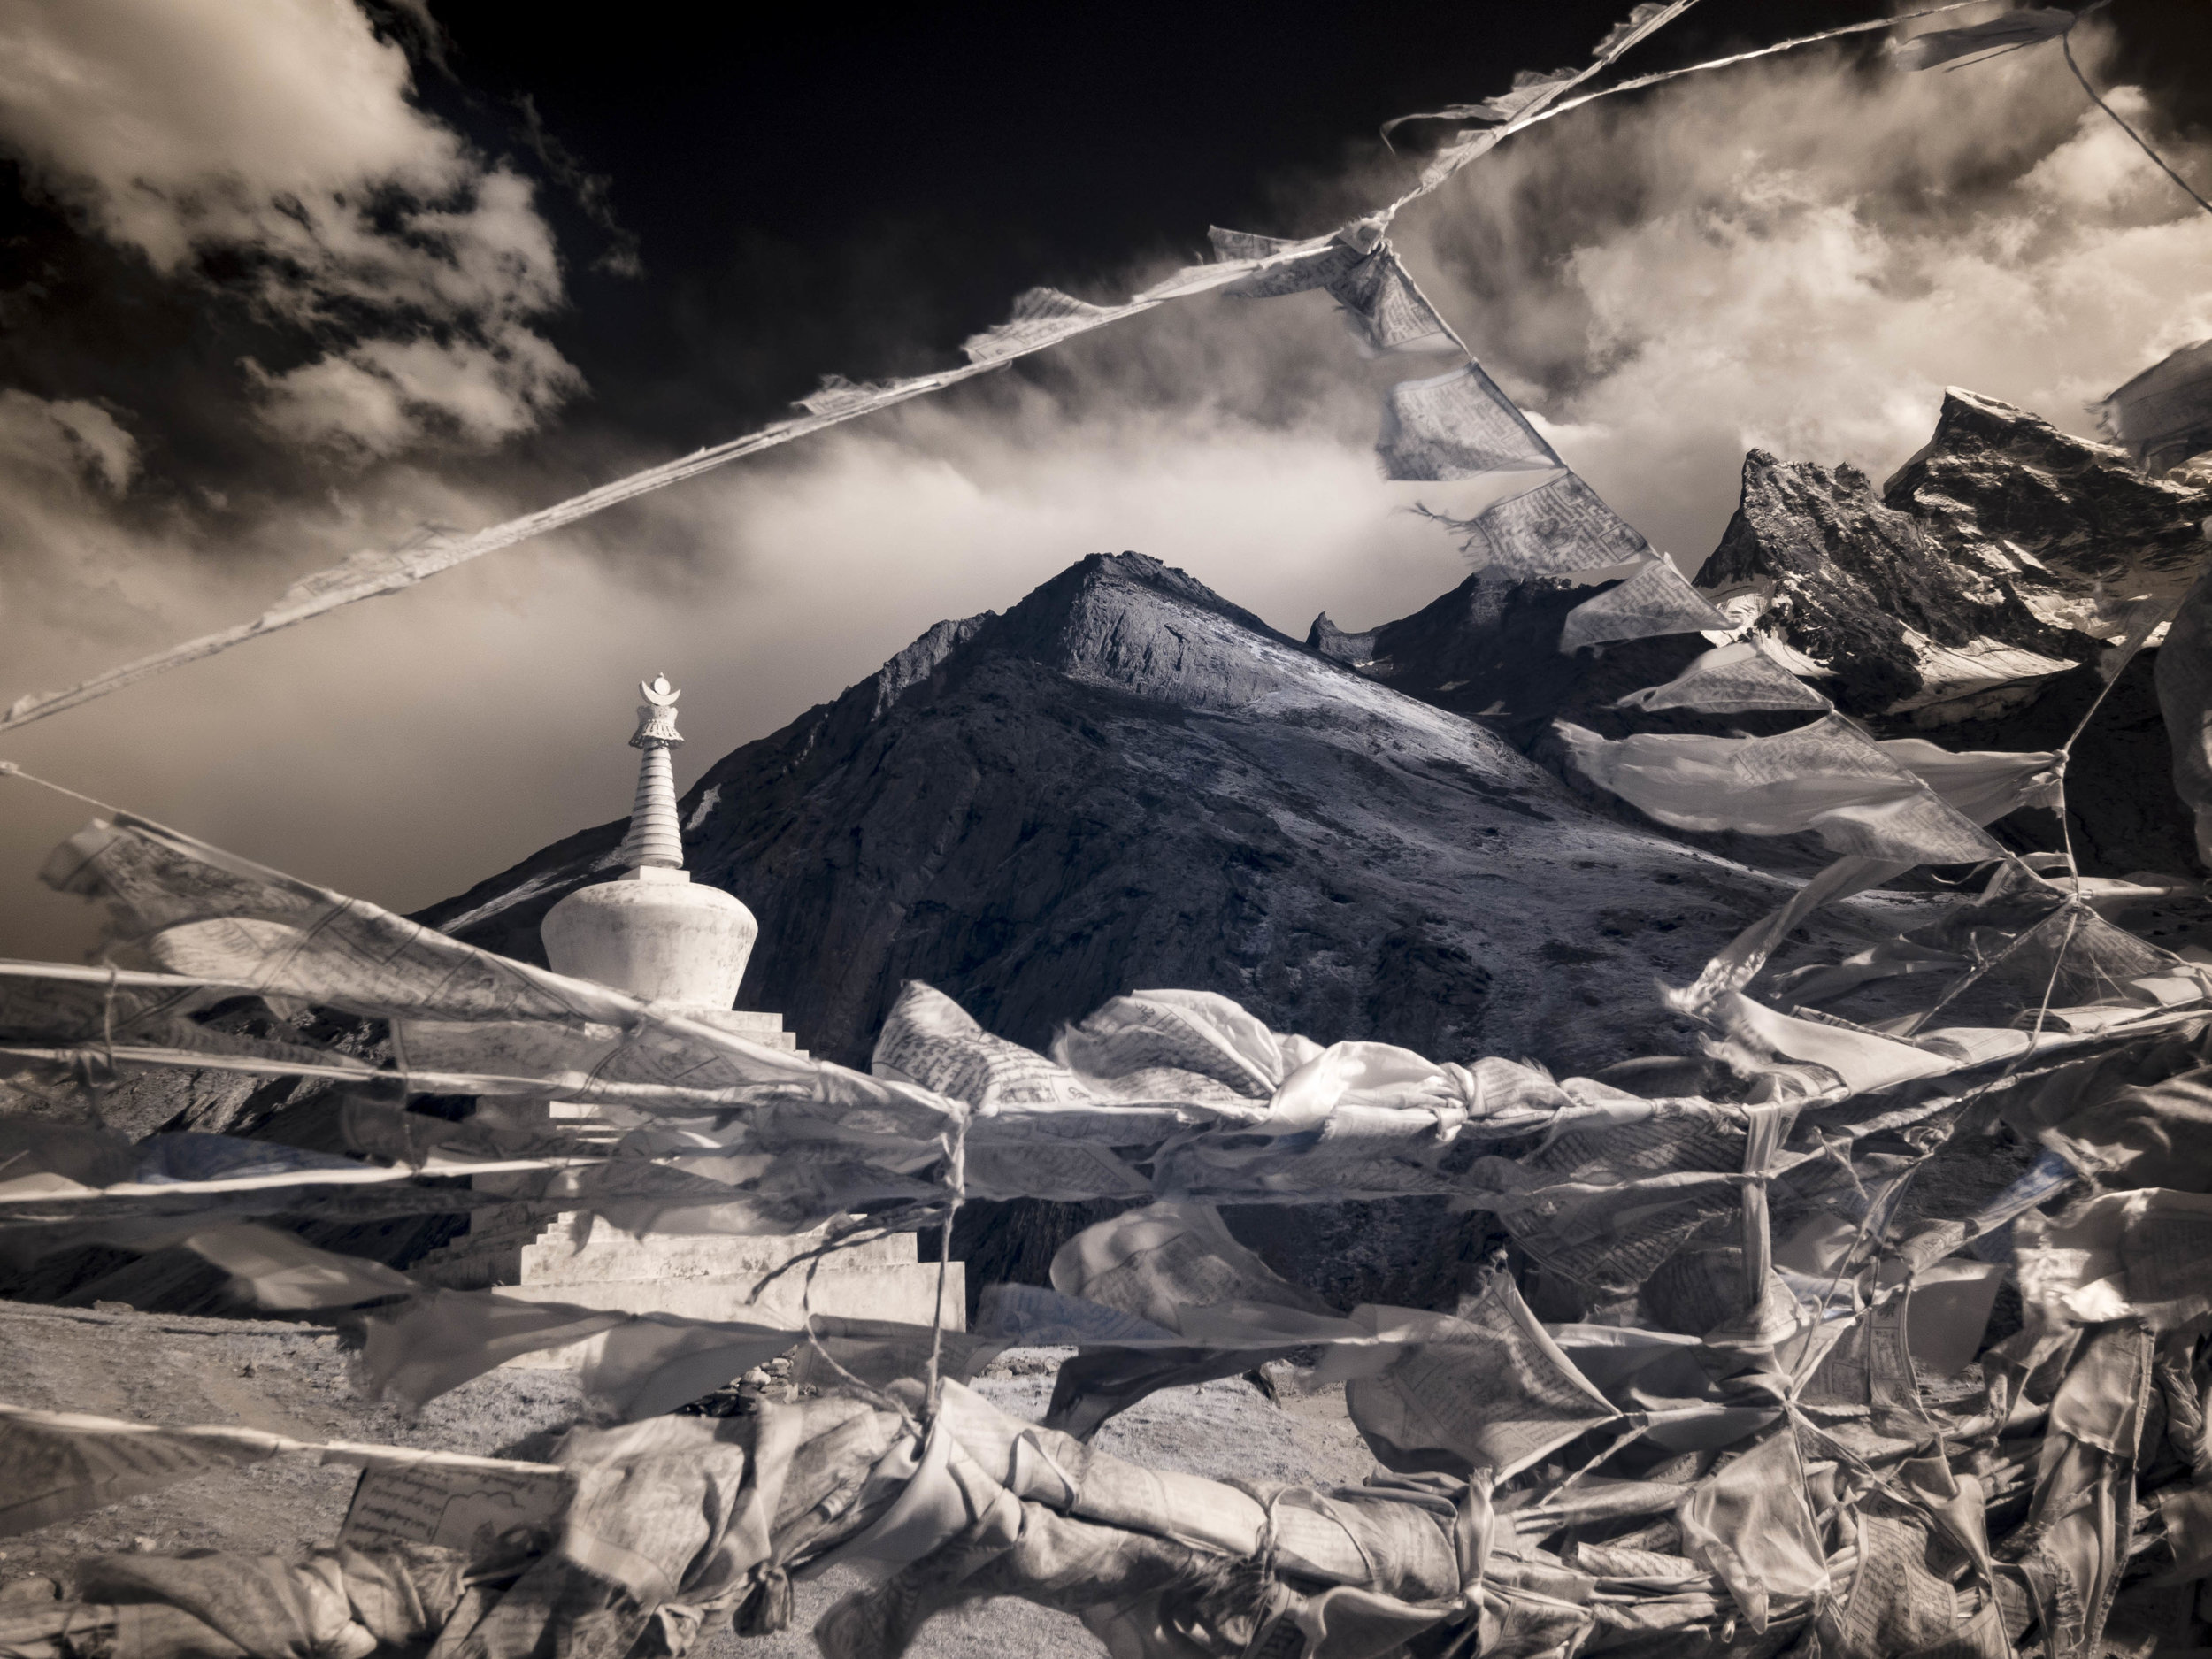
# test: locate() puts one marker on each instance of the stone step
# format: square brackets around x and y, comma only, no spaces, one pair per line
[553,1261]
[758,1026]
[549,1253]
[515,1224]
[533,1048]
[905,1294]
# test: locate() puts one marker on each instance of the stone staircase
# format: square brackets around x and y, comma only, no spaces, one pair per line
[538,1254]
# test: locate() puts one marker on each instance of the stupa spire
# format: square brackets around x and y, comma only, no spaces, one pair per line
[656,839]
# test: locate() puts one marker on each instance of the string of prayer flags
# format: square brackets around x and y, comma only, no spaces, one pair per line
[1380,303]
[2163,415]
[1458,424]
[1041,317]
[1533,92]
[1985,784]
[1384,309]
[1285,264]
[1982,785]
[2184,677]
[1556,528]
[1718,1499]
[1483,1388]
[54,1465]
[1453,427]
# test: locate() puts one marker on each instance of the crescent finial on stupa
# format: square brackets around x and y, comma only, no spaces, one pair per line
[656,715]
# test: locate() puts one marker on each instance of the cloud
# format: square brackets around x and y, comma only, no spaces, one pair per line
[65,440]
[378,399]
[281,136]
[1798,255]
[1801,255]
[63,465]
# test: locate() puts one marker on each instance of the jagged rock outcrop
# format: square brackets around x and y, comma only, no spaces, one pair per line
[2078,529]
[1860,588]
[1975,598]
[1971,598]
[1353,651]
[2002,554]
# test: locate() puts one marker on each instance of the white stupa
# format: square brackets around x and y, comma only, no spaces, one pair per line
[652,931]
[655,933]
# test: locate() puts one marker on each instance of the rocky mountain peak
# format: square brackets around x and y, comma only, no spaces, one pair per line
[1997,561]
[1127,621]
[2080,532]
[1354,650]
[1903,624]
[2000,556]
[911,667]
[1124,779]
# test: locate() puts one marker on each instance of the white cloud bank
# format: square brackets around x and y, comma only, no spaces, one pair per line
[282,131]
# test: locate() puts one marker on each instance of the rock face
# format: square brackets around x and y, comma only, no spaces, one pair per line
[1489,649]
[2002,557]
[1127,781]
[2082,531]
[1860,588]
[1969,601]
[2002,554]
[1975,597]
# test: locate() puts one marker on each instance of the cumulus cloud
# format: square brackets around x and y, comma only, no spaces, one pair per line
[372,401]
[1798,255]
[281,135]
[75,571]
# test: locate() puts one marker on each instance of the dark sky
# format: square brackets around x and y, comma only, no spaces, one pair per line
[813,192]
[767,195]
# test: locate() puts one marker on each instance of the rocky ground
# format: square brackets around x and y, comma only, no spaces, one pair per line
[297,1380]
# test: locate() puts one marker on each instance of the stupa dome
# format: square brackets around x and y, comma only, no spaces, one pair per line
[651,931]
